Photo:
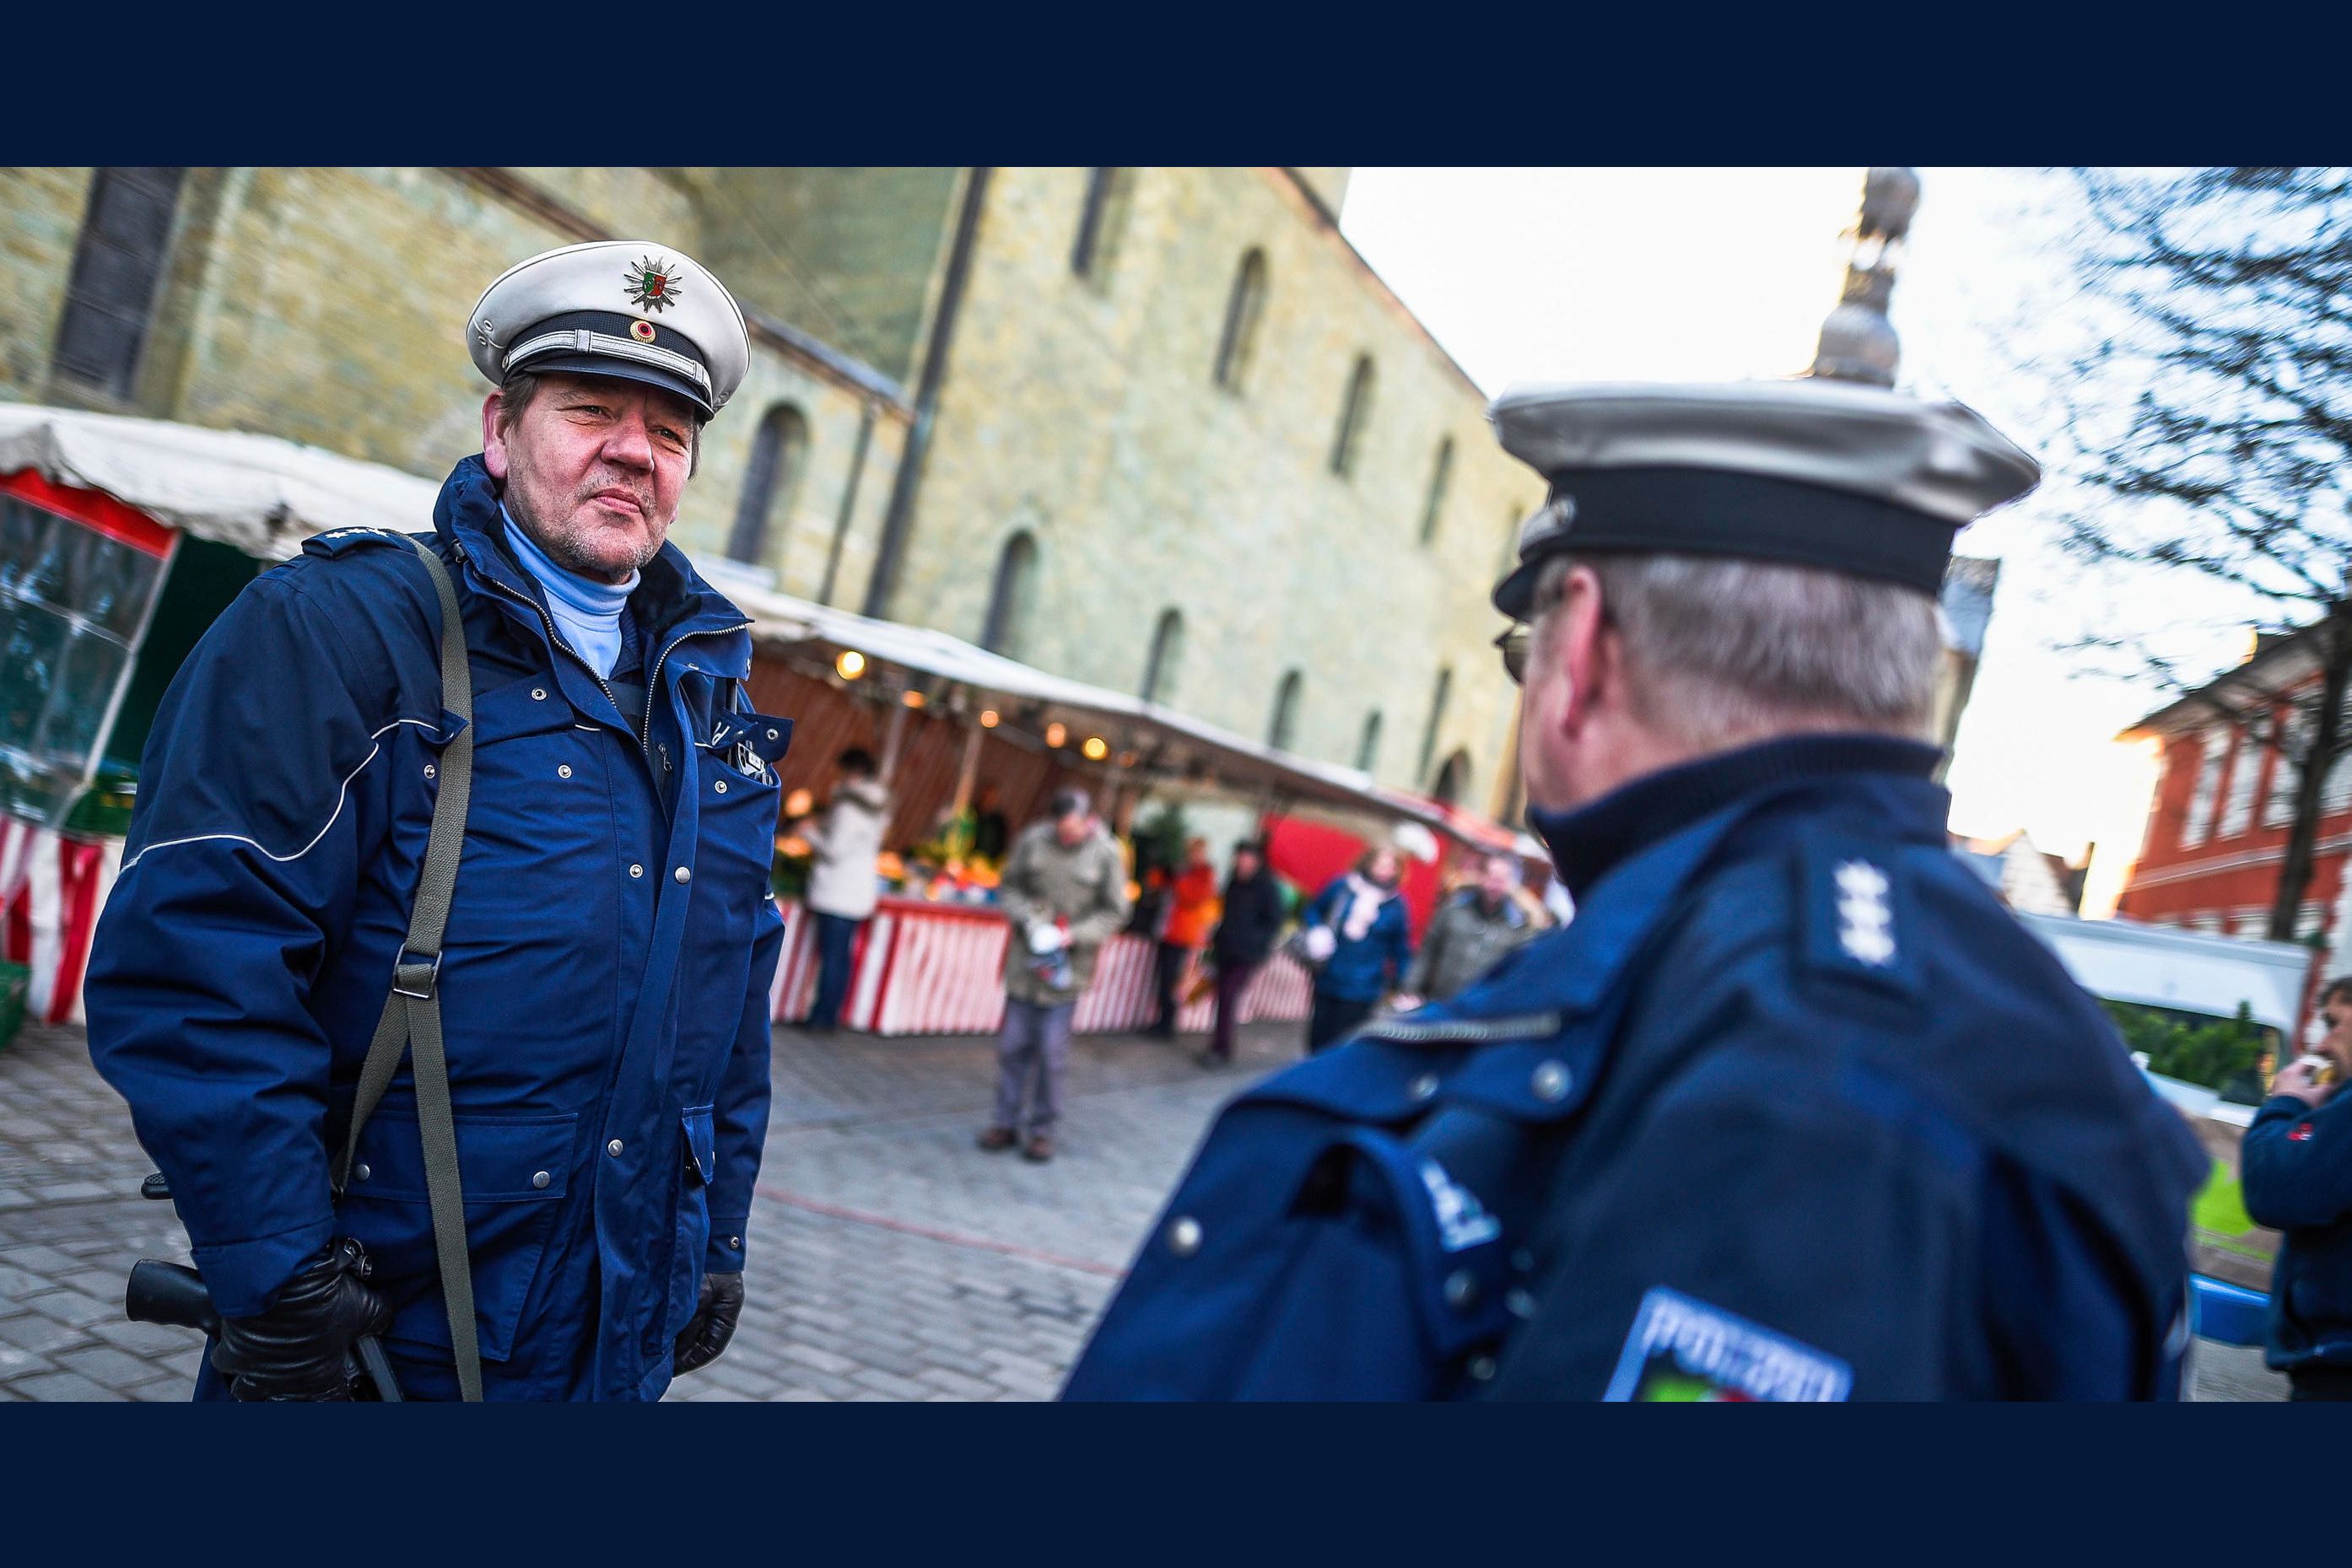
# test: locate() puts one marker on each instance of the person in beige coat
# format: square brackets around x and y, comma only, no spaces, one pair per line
[1065,890]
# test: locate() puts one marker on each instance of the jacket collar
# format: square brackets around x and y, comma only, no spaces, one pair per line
[671,601]
[1590,841]
[1639,848]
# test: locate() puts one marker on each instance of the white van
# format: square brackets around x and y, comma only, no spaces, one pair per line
[2187,972]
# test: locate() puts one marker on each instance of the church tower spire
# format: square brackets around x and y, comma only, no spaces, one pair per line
[1857,341]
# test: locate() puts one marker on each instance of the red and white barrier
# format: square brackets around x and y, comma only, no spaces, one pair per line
[51,889]
[918,967]
[939,968]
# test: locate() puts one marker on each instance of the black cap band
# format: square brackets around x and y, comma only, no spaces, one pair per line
[533,351]
[1703,511]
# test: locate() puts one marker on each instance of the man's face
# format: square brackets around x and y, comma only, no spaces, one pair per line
[2336,1014]
[595,469]
[1494,881]
[1549,750]
[1245,864]
[1072,829]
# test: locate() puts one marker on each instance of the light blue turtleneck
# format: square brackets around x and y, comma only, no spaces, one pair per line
[587,612]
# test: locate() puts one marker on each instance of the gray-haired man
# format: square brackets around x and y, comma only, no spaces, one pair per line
[1065,890]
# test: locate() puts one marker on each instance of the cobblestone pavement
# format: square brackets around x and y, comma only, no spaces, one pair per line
[889,1257]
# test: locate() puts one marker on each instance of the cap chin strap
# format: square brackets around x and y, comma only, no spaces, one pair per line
[583,341]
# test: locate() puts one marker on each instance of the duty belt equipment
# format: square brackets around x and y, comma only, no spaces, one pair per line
[412,1012]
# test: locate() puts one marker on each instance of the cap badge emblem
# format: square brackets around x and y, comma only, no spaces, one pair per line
[652,284]
[643,331]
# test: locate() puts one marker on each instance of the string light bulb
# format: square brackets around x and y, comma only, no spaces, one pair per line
[850,663]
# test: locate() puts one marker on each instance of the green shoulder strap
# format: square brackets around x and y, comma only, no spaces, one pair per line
[412,1012]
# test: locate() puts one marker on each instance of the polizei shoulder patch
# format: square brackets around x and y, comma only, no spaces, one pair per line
[1684,1350]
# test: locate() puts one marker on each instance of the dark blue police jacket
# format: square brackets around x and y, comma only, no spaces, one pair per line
[2297,1167]
[604,983]
[1793,1109]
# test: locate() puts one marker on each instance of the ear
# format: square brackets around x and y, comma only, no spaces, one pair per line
[1586,648]
[493,445]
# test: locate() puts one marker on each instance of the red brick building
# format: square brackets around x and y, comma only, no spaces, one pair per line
[2217,830]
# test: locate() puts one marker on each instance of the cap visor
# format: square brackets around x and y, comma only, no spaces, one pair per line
[1514,596]
[578,364]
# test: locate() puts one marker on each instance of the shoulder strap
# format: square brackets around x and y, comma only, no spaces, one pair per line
[412,1012]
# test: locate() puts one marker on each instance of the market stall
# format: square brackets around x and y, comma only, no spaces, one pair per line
[121,541]
[950,721]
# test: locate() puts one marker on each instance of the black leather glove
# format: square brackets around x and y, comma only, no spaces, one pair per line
[300,1348]
[712,1325]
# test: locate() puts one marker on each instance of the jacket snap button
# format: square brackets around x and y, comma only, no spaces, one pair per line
[1550,1082]
[428,770]
[1482,1367]
[735,1242]
[720,786]
[1425,1086]
[1520,1303]
[1461,1289]
[614,1148]
[771,735]
[362,1171]
[563,770]
[1184,1236]
[637,871]
[538,693]
[682,875]
[539,1178]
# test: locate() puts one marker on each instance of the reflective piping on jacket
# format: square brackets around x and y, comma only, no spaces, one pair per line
[342,793]
[1524,1026]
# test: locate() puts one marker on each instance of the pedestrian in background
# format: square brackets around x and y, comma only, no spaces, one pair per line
[1357,934]
[2297,1168]
[1244,935]
[1469,935]
[1191,910]
[1065,890]
[844,840]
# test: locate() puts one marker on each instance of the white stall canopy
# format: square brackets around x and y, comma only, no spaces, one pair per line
[261,494]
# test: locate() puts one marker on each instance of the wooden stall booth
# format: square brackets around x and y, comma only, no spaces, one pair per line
[954,725]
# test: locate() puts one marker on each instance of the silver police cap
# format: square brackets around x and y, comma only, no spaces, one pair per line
[1808,473]
[631,309]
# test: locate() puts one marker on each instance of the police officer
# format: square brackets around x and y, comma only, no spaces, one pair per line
[597,984]
[1793,1109]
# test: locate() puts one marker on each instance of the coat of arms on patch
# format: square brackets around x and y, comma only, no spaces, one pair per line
[1683,1351]
[653,285]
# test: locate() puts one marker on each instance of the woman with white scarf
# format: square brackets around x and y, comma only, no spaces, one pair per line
[1357,934]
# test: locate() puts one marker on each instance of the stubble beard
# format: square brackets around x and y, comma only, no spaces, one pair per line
[566,542]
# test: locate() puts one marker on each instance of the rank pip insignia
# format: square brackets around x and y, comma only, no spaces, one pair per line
[1866,925]
[652,284]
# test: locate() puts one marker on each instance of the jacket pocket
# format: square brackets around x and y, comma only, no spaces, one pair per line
[737,818]
[700,1158]
[515,1172]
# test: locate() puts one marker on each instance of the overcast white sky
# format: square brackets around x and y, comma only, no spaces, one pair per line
[1674,274]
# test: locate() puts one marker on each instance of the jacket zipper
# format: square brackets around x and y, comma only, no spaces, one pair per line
[653,683]
[554,639]
[1526,1026]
